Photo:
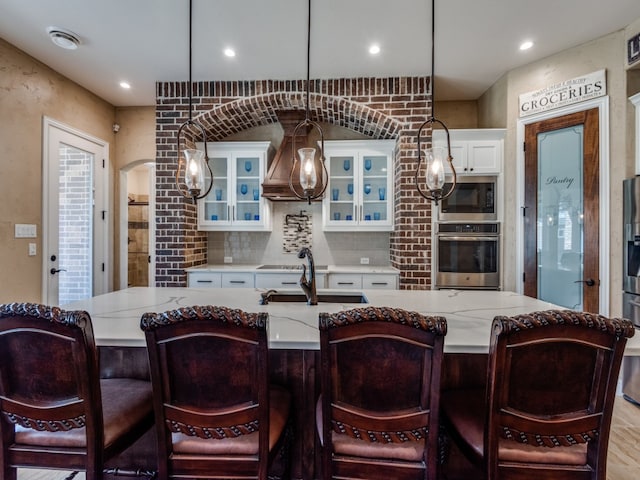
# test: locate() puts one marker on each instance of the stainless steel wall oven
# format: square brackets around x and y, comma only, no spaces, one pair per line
[467,256]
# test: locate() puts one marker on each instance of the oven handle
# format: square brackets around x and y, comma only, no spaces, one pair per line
[458,238]
[634,303]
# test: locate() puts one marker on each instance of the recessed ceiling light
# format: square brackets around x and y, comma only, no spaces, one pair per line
[63,38]
[229,52]
[374,49]
[526,45]
[125,85]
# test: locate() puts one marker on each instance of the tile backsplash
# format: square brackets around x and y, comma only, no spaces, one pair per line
[281,245]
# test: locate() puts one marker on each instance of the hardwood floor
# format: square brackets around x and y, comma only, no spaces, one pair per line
[623,460]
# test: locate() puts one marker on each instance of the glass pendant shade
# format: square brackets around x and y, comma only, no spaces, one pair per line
[308,174]
[435,158]
[194,176]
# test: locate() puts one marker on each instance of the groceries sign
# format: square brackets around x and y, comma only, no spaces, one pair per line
[564,93]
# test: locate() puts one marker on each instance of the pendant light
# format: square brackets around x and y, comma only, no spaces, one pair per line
[436,158]
[311,182]
[193,183]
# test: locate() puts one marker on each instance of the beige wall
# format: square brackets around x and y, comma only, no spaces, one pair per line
[501,102]
[135,144]
[30,90]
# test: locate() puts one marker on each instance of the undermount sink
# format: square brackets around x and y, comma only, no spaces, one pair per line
[327,297]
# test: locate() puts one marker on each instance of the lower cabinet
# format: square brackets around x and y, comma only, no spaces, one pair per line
[285,280]
[220,279]
[365,280]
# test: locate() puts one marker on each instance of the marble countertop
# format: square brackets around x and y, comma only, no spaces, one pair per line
[319,268]
[116,315]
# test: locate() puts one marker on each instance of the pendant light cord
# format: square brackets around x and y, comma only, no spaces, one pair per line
[308,57]
[189,87]
[433,59]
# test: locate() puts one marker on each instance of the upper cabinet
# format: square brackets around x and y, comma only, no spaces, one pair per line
[359,196]
[474,151]
[235,202]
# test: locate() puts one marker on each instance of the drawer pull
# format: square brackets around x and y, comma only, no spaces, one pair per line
[345,283]
[237,282]
[205,281]
[379,283]
[288,283]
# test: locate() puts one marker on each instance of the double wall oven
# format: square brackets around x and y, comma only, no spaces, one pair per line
[467,237]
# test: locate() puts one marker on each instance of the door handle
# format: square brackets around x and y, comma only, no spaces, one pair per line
[53,271]
[590,282]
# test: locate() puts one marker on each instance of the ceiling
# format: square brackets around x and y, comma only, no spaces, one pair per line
[145,41]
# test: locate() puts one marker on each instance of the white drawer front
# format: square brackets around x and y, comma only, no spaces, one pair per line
[237,280]
[277,280]
[345,280]
[383,281]
[204,280]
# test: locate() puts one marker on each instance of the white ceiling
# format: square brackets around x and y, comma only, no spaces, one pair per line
[144,41]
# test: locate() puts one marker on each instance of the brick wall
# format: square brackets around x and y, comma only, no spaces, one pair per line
[380,108]
[75,225]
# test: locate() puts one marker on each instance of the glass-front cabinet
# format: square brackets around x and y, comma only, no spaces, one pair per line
[359,196]
[235,202]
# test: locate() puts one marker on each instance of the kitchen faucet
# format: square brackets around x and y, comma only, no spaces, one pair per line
[308,285]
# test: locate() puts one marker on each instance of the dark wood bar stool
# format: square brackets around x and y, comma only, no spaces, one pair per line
[55,411]
[216,414]
[546,412]
[377,416]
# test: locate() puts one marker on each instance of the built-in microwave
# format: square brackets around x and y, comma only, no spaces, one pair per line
[472,200]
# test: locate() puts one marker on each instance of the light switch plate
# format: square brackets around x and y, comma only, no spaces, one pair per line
[25,230]
[32,250]
[364,260]
[228,259]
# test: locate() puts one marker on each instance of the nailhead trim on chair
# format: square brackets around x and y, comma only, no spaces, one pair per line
[217,433]
[380,437]
[548,440]
[436,325]
[48,425]
[617,326]
[151,321]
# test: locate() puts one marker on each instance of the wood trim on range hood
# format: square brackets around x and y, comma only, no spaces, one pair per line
[276,182]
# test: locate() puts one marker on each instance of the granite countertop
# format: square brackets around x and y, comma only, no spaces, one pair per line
[116,315]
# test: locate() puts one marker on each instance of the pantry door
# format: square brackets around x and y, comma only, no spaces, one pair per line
[561,214]
[75,233]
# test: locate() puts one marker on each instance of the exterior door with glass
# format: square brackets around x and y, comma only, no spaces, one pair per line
[561,215]
[74,215]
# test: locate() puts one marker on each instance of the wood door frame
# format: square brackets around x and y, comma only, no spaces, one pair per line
[602,104]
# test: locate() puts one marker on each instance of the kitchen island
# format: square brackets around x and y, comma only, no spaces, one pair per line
[294,342]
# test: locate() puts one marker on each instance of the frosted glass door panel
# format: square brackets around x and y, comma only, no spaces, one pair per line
[560,217]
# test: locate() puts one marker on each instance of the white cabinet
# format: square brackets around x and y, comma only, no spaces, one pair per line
[388,281]
[204,279]
[359,196]
[285,280]
[235,202]
[237,280]
[635,100]
[380,280]
[474,151]
[220,279]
